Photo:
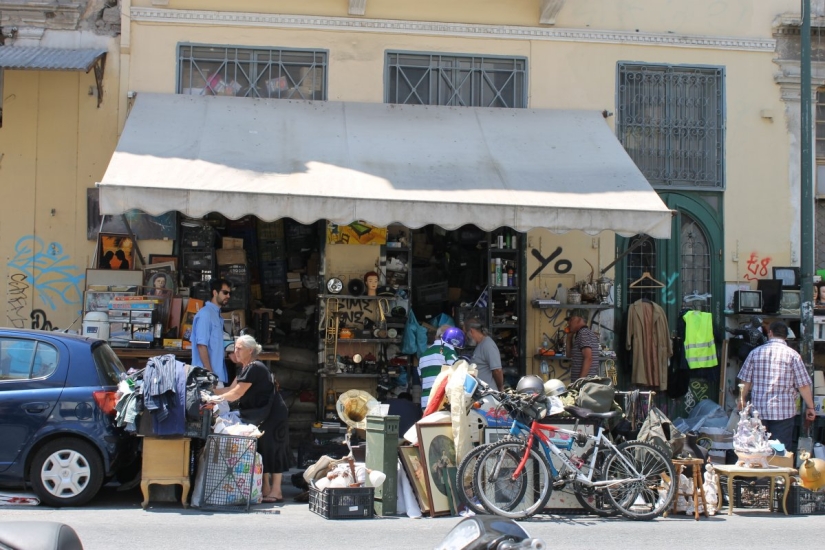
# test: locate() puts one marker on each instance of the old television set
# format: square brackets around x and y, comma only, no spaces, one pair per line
[790,302]
[789,276]
[747,301]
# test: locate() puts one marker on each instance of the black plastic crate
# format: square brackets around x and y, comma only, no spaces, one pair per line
[343,503]
[197,237]
[801,501]
[199,429]
[198,258]
[748,493]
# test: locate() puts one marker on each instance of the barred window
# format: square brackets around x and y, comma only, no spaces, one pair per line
[252,72]
[458,80]
[671,122]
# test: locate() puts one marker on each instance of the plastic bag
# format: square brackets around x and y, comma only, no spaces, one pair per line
[415,336]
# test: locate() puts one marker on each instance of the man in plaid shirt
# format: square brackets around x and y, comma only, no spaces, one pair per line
[775,372]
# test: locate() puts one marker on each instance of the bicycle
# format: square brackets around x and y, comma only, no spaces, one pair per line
[589,498]
[512,479]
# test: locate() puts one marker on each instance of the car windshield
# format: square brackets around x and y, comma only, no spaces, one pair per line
[108,365]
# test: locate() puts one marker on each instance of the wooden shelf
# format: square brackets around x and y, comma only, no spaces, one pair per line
[765,315]
[348,297]
[346,375]
[369,340]
[537,305]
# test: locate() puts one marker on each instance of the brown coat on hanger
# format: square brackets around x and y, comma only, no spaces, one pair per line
[648,335]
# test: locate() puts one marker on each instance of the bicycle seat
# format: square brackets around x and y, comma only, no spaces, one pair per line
[582,413]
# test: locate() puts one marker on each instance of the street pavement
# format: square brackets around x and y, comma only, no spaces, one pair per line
[116,520]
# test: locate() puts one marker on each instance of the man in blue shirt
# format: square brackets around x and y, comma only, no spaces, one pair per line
[207,331]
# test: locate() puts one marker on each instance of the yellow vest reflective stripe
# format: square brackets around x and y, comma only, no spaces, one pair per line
[700,349]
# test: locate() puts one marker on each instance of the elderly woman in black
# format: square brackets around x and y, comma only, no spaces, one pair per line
[260,403]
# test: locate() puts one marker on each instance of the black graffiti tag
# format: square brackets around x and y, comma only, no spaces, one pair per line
[18,301]
[354,312]
[39,320]
[562,266]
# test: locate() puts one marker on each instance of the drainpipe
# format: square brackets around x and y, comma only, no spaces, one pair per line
[806,254]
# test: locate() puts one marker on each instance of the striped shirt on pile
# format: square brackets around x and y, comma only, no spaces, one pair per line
[429,366]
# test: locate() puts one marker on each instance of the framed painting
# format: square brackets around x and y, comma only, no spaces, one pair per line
[125,281]
[115,251]
[164,259]
[411,459]
[491,435]
[159,279]
[437,452]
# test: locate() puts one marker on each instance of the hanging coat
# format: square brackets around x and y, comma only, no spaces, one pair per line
[700,348]
[648,335]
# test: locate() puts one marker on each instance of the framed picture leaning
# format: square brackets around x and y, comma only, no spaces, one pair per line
[437,452]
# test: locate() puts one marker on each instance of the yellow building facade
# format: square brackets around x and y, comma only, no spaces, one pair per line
[55,142]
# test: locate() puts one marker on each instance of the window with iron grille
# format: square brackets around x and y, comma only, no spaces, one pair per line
[671,121]
[458,80]
[252,72]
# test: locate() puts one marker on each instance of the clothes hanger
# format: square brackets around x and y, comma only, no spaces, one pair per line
[697,301]
[653,282]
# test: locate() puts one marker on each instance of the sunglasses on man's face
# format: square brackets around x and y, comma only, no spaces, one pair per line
[226,292]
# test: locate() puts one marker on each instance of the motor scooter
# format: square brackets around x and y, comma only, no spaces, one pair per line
[484,532]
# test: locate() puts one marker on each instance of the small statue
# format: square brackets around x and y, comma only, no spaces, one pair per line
[711,487]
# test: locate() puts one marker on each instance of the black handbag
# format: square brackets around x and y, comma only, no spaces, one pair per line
[257,415]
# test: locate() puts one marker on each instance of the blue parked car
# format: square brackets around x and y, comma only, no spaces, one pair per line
[57,415]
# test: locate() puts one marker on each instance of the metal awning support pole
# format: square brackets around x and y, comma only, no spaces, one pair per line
[806,204]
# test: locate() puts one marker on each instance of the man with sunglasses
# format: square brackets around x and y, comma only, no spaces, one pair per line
[207,331]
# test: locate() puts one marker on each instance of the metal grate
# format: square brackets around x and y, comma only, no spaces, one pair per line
[820,124]
[671,122]
[252,72]
[229,464]
[457,80]
[695,258]
[641,259]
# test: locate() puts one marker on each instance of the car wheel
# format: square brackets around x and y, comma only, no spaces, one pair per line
[66,472]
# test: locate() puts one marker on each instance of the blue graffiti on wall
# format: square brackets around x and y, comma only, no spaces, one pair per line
[49,271]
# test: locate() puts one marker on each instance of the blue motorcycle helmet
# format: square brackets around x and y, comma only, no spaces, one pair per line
[453,336]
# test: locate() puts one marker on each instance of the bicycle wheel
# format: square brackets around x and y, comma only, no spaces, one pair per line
[464,479]
[643,494]
[500,493]
[593,499]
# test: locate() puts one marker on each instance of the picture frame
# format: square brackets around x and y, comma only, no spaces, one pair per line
[163,259]
[411,460]
[163,274]
[126,280]
[437,453]
[115,252]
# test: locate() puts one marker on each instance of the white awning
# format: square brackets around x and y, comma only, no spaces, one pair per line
[382,163]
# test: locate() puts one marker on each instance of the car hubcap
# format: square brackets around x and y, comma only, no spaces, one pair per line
[65,473]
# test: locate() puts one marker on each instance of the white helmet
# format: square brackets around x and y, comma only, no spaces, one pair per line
[554,387]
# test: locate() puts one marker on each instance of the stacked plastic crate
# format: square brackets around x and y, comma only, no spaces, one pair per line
[197,246]
[272,264]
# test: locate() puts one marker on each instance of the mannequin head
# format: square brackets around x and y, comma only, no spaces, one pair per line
[371,282]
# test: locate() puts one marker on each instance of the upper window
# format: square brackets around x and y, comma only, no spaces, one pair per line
[252,72]
[671,122]
[26,359]
[459,80]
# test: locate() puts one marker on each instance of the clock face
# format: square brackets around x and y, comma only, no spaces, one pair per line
[334,285]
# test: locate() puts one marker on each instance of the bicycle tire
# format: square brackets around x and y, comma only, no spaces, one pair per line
[593,499]
[504,496]
[464,479]
[642,499]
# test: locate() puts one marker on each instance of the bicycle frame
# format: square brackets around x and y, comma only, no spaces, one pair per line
[549,447]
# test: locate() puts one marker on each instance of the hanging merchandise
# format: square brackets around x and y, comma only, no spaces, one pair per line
[648,335]
[700,348]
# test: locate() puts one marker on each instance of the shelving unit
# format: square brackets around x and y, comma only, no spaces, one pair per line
[506,311]
[593,309]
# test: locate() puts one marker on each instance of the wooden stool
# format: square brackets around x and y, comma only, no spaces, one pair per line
[698,484]
[165,462]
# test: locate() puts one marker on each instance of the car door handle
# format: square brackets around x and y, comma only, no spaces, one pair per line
[35,408]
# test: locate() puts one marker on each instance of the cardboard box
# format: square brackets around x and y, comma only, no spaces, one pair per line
[231,256]
[782,461]
[819,382]
[454,294]
[232,243]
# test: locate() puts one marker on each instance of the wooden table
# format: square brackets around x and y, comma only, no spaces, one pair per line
[184,355]
[165,462]
[733,472]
